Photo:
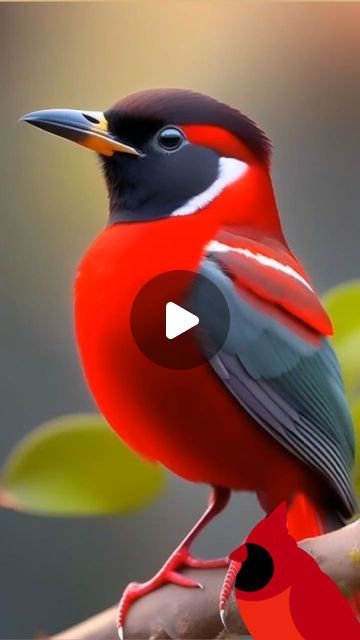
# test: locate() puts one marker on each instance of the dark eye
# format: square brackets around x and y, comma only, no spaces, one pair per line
[170,138]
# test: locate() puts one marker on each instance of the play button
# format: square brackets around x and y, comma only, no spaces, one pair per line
[178,320]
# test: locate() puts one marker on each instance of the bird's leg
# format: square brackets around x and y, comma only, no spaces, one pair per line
[229,580]
[181,557]
[218,500]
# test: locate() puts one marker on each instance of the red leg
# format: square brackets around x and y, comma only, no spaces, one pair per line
[181,557]
[229,580]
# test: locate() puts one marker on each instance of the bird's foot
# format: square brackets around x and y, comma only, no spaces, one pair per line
[168,574]
[229,580]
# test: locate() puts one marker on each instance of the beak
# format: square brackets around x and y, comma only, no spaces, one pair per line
[88,128]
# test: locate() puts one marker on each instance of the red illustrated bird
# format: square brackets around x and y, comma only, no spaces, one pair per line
[190,190]
[281,592]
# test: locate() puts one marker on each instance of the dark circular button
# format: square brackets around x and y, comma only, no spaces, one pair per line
[188,308]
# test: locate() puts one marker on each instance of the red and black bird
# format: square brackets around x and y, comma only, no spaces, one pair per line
[281,592]
[190,189]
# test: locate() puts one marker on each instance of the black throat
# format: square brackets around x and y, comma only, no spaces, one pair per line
[154,185]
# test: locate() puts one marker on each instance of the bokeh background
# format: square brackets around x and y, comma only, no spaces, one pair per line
[294,68]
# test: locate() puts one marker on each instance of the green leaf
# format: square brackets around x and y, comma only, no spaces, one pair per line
[348,352]
[343,306]
[355,411]
[76,466]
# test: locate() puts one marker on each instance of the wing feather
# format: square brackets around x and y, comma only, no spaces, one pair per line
[288,380]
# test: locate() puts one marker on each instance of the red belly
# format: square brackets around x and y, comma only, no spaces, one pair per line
[187,420]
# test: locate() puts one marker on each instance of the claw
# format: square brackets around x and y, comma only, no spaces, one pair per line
[121,633]
[223,616]
[182,580]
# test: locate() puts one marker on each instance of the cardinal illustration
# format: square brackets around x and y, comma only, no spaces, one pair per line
[281,592]
[189,189]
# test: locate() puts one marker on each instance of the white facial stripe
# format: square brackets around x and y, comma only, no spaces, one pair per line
[218,247]
[230,170]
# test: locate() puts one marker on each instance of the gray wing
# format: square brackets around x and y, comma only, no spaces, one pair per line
[292,388]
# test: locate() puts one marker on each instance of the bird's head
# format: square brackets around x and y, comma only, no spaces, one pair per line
[267,557]
[173,152]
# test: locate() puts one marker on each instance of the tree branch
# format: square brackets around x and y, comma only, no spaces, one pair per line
[171,612]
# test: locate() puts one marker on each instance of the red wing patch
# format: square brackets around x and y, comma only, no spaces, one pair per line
[274,276]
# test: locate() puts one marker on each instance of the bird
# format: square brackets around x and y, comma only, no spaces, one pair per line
[282,593]
[190,189]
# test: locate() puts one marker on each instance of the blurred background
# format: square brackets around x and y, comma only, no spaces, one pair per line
[294,68]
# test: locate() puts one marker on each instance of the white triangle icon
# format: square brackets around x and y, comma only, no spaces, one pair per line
[178,320]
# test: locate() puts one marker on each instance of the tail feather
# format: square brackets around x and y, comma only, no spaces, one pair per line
[304,519]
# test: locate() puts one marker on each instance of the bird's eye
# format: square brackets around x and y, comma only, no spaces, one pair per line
[170,138]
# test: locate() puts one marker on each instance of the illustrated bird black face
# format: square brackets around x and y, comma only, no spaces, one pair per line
[164,152]
[256,570]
